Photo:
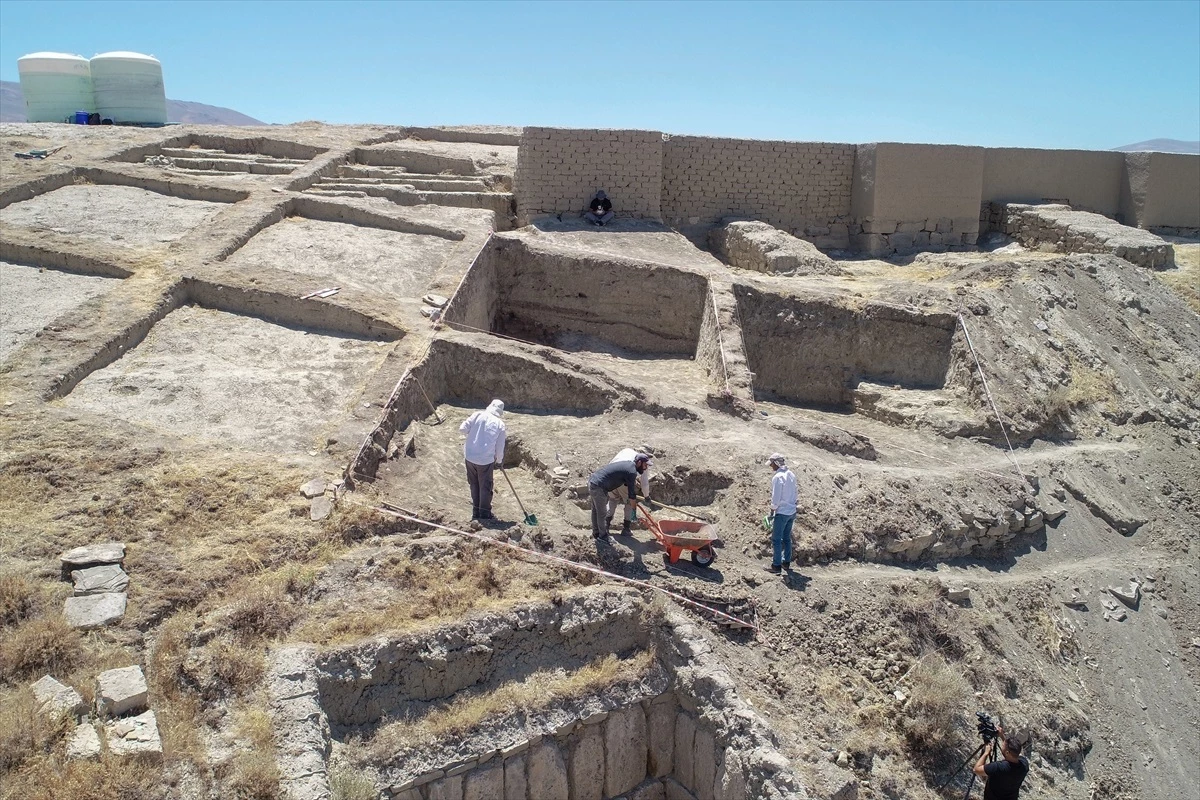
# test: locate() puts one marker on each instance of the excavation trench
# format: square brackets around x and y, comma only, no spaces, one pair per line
[241,366]
[815,352]
[595,695]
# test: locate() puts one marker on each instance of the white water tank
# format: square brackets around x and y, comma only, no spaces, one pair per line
[129,88]
[55,86]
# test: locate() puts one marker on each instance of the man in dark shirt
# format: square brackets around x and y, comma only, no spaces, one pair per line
[1003,777]
[599,210]
[605,480]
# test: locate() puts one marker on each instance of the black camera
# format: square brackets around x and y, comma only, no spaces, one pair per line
[987,728]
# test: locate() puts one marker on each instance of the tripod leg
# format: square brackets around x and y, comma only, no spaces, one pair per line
[970,759]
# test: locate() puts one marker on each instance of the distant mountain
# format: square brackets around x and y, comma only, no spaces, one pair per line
[12,109]
[1161,146]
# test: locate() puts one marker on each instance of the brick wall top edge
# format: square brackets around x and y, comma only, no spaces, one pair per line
[726,140]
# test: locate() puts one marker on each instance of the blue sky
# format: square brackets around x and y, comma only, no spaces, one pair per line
[1079,74]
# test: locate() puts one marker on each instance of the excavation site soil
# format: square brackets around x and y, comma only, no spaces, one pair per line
[245,357]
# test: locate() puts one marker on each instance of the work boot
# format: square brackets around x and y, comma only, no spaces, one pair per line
[625,529]
[787,565]
[773,569]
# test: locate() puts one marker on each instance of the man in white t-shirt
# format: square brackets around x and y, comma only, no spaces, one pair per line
[482,451]
[783,513]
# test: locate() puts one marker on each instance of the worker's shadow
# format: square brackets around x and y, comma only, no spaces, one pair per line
[793,579]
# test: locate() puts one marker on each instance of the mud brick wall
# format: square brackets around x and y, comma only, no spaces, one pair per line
[1161,191]
[1084,179]
[909,197]
[801,187]
[559,169]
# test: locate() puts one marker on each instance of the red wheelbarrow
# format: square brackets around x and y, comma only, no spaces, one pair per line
[678,535]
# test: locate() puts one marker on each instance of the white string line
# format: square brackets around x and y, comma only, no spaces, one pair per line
[987,391]
[558,560]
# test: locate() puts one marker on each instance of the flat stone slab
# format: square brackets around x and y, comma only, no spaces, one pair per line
[94,610]
[84,742]
[56,697]
[121,690]
[314,488]
[321,508]
[104,579]
[92,554]
[135,736]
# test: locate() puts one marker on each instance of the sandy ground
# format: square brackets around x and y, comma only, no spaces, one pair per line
[347,255]
[123,215]
[240,380]
[31,298]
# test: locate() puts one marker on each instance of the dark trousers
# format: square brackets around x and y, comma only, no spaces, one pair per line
[480,477]
[599,507]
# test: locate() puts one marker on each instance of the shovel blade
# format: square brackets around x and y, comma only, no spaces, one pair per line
[531,520]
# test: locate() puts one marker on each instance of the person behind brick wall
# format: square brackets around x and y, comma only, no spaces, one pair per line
[599,210]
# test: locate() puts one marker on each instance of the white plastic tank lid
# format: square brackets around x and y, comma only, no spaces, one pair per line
[52,55]
[127,54]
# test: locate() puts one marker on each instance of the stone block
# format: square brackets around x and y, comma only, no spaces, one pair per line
[675,790]
[872,244]
[879,226]
[446,789]
[135,736]
[661,735]
[485,783]
[651,789]
[120,690]
[685,742]
[316,487]
[57,698]
[731,778]
[704,764]
[84,742]
[625,750]
[587,765]
[104,579]
[547,771]
[515,783]
[94,611]
[93,554]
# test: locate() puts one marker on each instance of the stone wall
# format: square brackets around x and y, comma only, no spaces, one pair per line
[1062,229]
[678,732]
[560,169]
[801,187]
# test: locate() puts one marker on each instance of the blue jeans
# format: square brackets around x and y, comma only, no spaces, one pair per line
[781,539]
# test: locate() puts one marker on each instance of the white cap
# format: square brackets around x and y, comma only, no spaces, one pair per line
[777,459]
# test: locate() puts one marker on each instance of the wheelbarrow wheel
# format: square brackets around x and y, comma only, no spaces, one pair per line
[704,556]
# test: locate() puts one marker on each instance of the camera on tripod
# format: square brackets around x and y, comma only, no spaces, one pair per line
[987,728]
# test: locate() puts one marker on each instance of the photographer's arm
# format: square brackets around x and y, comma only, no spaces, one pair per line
[980,763]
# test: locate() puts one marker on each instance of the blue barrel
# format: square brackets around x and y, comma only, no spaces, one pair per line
[81,117]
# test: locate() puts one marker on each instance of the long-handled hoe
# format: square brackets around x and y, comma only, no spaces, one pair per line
[530,519]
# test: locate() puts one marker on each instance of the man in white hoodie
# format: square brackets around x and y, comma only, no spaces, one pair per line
[483,450]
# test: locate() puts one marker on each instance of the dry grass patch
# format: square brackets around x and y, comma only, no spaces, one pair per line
[41,645]
[939,696]
[347,783]
[255,774]
[536,692]
[407,592]
[1184,280]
